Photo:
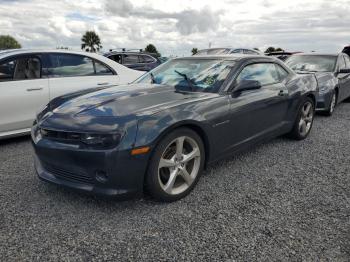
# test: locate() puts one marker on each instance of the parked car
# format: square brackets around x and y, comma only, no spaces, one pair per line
[281,55]
[30,78]
[227,51]
[332,72]
[141,61]
[161,131]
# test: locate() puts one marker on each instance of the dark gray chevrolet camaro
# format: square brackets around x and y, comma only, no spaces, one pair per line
[332,72]
[159,133]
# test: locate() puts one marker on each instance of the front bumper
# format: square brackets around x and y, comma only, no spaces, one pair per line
[66,165]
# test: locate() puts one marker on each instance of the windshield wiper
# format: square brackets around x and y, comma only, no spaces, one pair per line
[189,81]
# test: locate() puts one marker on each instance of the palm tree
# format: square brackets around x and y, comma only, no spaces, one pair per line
[91,42]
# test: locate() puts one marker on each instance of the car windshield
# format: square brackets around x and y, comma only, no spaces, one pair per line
[197,75]
[312,63]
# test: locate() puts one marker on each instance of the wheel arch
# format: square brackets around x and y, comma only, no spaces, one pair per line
[194,126]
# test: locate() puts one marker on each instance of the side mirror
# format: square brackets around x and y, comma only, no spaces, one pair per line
[247,85]
[344,71]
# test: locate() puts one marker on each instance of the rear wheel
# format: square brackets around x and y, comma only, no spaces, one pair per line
[304,120]
[176,165]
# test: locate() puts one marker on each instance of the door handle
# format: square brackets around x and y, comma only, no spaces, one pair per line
[103,84]
[34,89]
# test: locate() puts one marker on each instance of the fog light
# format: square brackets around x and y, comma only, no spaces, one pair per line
[101,176]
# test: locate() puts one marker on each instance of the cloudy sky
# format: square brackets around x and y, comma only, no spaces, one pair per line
[176,26]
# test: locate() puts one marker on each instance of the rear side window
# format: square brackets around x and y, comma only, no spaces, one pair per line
[64,65]
[264,73]
[146,59]
[116,58]
[102,69]
[131,59]
[21,68]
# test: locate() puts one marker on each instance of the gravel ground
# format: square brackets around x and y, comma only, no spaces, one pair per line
[283,200]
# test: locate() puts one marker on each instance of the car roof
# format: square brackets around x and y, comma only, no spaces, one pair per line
[5,53]
[316,54]
[234,57]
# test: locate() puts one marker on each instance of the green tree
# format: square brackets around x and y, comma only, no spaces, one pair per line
[194,50]
[150,48]
[91,42]
[273,49]
[8,42]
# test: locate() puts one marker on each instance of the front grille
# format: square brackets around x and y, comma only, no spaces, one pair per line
[61,173]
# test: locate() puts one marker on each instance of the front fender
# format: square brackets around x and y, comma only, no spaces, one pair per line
[152,128]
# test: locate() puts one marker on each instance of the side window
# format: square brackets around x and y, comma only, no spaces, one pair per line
[341,62]
[21,68]
[146,59]
[347,61]
[282,73]
[102,69]
[249,52]
[66,65]
[265,73]
[116,58]
[7,70]
[131,59]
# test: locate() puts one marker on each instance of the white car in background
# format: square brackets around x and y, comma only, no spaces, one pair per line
[29,79]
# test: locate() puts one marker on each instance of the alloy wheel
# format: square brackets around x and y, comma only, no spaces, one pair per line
[306,118]
[179,165]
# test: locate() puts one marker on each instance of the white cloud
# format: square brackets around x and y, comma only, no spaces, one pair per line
[177,26]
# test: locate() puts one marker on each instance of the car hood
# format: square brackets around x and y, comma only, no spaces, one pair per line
[116,107]
[135,99]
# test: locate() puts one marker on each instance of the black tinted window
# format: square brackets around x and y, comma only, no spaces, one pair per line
[116,58]
[131,59]
[20,69]
[102,69]
[7,70]
[264,73]
[65,65]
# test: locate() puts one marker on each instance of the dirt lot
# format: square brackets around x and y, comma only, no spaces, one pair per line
[283,200]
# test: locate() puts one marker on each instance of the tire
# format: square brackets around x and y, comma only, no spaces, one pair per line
[306,116]
[332,104]
[172,172]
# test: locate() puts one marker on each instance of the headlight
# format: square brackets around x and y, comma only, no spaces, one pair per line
[101,139]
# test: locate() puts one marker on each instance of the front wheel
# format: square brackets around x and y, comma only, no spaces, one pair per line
[304,120]
[176,165]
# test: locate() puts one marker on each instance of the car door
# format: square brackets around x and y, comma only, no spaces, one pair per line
[345,81]
[70,73]
[24,90]
[260,112]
